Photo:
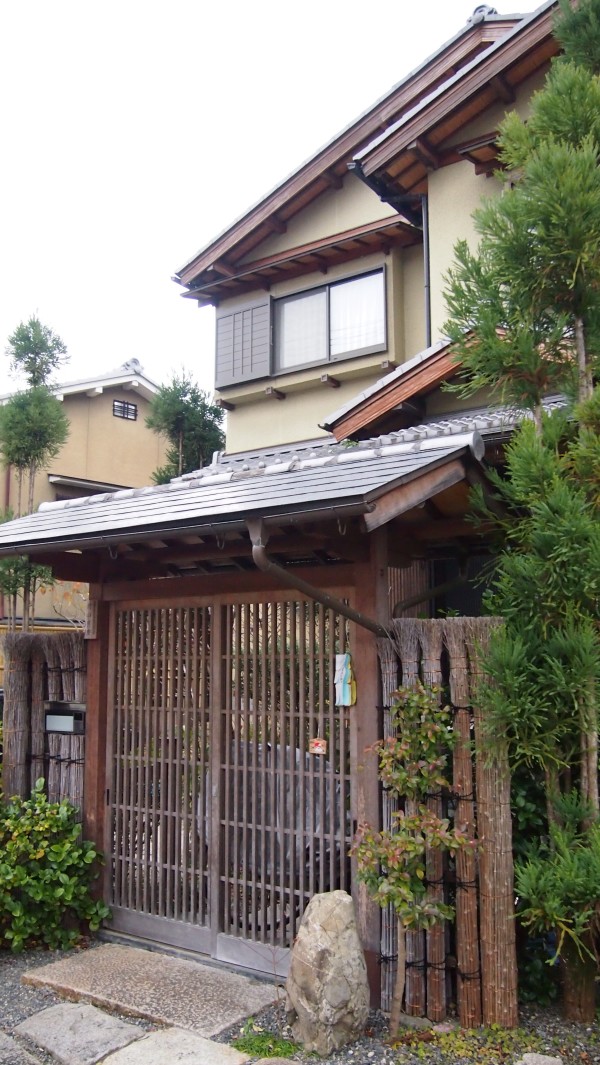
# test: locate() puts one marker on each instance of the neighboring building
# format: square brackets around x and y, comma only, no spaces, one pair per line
[221,600]
[109,447]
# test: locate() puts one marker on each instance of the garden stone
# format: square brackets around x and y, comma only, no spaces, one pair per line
[327,991]
[12,1054]
[77,1034]
[539,1059]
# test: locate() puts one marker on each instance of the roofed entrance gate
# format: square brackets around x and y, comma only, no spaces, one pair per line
[223,821]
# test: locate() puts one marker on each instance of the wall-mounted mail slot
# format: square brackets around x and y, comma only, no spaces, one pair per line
[65,717]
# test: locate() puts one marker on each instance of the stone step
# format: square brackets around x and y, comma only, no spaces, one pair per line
[79,1034]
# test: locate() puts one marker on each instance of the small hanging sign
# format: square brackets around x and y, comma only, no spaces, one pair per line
[317,746]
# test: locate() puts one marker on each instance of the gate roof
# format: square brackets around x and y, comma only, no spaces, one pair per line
[287,484]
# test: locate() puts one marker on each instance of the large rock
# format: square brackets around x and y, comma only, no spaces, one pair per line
[327,989]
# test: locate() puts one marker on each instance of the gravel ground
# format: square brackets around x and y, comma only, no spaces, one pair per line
[542,1030]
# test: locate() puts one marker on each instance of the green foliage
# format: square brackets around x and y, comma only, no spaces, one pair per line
[259,1042]
[33,428]
[46,872]
[544,663]
[481,1046]
[578,30]
[191,423]
[517,303]
[411,765]
[558,883]
[35,351]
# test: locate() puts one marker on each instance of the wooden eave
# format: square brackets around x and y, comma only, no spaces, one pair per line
[330,166]
[397,159]
[315,547]
[318,255]
[365,417]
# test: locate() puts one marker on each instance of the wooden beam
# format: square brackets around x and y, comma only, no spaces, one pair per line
[335,181]
[327,379]
[223,268]
[425,153]
[70,565]
[275,224]
[504,91]
[178,590]
[410,495]
[274,393]
[224,404]
[423,378]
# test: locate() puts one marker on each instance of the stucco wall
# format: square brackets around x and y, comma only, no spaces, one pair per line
[100,447]
[333,212]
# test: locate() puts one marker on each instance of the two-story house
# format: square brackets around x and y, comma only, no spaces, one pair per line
[225,769]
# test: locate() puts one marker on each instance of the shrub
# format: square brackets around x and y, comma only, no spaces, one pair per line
[46,872]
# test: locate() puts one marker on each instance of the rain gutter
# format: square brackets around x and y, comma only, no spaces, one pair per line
[259,537]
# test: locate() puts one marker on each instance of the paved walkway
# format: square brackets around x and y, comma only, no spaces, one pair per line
[189,1001]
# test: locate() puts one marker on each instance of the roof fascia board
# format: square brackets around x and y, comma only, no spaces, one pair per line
[426,375]
[416,122]
[342,146]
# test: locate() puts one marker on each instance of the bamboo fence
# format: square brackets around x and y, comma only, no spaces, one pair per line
[40,667]
[473,961]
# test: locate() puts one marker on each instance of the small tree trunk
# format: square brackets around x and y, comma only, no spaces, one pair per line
[584,370]
[32,472]
[579,982]
[19,490]
[398,995]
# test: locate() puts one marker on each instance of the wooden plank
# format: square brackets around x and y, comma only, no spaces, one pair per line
[417,491]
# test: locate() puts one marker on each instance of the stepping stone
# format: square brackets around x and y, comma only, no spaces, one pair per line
[77,1034]
[12,1054]
[169,991]
[177,1046]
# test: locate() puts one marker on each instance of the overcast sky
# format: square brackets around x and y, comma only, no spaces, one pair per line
[133,132]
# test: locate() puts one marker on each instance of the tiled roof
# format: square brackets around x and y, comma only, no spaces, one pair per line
[286,482]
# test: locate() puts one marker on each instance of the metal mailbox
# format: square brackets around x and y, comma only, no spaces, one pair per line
[65,717]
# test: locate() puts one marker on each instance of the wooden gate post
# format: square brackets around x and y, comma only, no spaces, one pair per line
[371,599]
[94,777]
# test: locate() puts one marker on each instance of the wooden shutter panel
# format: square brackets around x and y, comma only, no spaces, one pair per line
[243,344]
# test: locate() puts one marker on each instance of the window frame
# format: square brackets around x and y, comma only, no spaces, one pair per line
[126,406]
[369,349]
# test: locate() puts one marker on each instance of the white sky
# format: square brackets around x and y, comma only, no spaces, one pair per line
[133,131]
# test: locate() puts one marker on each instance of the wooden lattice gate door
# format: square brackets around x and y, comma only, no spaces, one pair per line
[224,820]
[158,769]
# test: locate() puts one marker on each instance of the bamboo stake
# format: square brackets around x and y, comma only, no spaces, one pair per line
[467,931]
[38,730]
[431,640]
[405,634]
[388,660]
[496,884]
[17,730]
[49,644]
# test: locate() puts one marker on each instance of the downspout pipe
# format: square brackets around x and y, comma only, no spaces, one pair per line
[287,576]
[405,203]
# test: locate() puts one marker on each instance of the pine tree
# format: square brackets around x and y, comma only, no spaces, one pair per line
[183,413]
[525,321]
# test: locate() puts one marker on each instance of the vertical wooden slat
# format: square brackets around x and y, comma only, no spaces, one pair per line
[219,697]
[496,880]
[38,732]
[406,638]
[467,932]
[431,639]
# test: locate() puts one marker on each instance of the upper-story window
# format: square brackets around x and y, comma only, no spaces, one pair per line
[337,321]
[121,409]
[267,336]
